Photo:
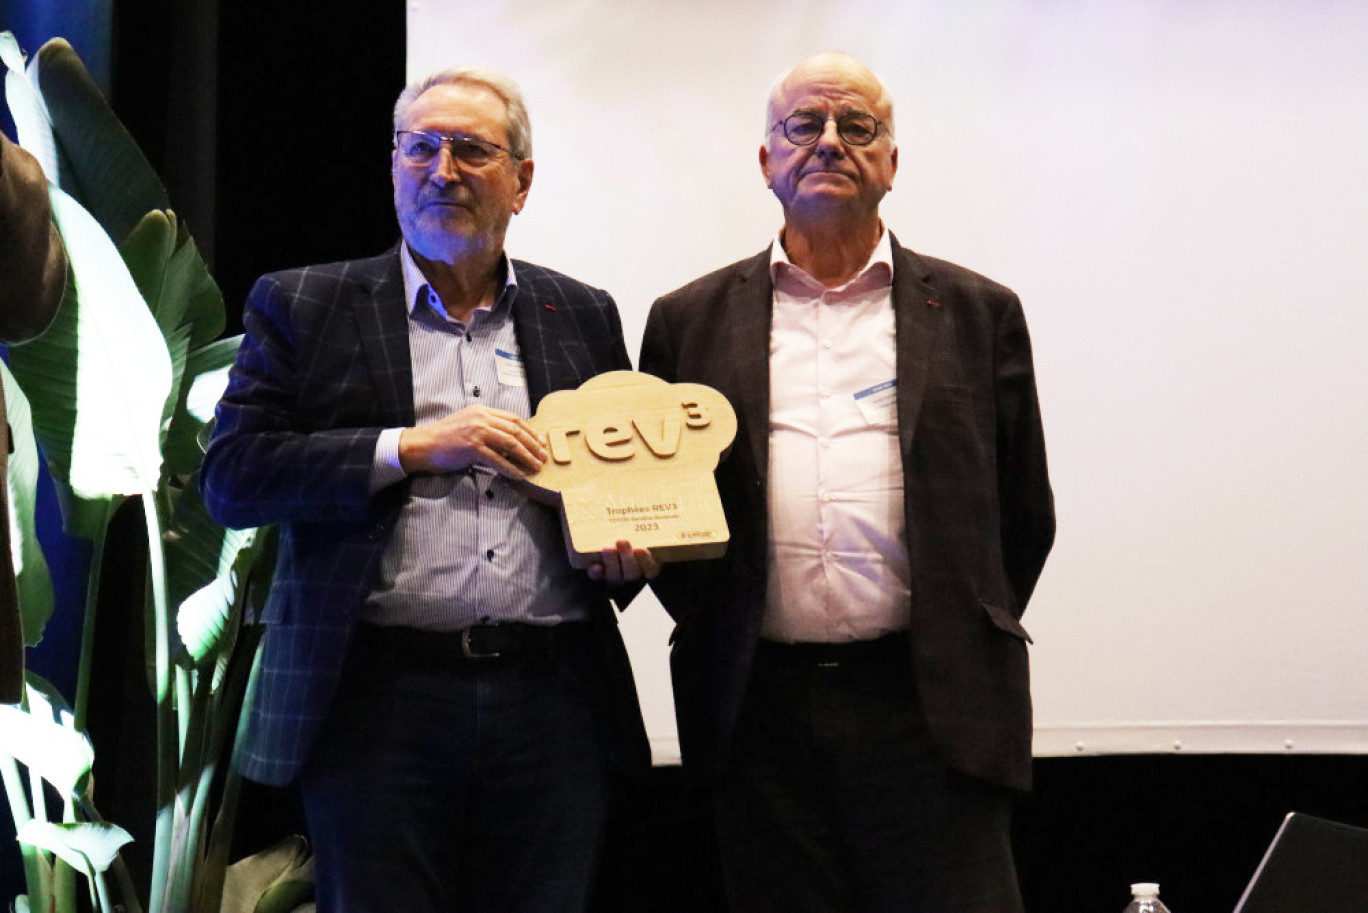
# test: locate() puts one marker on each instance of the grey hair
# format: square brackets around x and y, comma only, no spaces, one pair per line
[519,126]
[885,99]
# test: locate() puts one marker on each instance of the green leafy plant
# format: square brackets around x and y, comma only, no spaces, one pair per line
[118,393]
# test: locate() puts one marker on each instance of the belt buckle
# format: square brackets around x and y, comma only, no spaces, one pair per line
[471,654]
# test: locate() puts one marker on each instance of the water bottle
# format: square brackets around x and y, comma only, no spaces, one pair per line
[1145,899]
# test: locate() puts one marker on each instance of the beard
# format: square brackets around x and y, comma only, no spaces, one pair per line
[449,234]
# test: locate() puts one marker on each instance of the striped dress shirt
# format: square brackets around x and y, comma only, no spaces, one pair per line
[468,548]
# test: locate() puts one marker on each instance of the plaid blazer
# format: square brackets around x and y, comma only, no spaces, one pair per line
[977,500]
[323,369]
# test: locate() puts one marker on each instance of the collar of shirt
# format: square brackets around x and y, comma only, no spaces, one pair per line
[417,290]
[794,280]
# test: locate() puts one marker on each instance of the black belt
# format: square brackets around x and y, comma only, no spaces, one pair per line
[828,655]
[479,643]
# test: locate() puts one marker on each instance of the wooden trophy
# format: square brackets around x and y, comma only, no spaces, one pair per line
[632,457]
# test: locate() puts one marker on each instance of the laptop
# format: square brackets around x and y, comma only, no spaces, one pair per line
[1312,866]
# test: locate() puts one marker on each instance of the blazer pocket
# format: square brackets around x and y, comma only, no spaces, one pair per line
[1004,620]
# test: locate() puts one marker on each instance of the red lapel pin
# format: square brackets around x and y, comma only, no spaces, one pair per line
[933,302]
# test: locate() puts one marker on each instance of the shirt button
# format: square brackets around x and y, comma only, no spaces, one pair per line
[825,442]
[490,554]
[489,493]
[475,391]
[826,343]
[825,495]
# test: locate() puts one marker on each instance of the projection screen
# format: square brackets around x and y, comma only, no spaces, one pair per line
[1179,193]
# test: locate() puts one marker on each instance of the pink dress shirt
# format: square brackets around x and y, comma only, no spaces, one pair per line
[838,566]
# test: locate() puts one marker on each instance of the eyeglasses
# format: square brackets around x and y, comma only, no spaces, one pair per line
[806,127]
[419,147]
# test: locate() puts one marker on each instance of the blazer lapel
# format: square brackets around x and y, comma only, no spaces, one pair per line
[382,317]
[918,320]
[749,311]
[534,324]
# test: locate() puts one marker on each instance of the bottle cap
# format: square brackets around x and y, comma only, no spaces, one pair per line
[1145,889]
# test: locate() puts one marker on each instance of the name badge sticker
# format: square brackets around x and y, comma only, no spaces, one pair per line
[878,404]
[510,369]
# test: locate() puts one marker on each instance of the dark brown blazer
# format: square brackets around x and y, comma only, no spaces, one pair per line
[979,511]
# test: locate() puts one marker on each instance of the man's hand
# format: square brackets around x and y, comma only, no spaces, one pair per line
[624,564]
[476,434]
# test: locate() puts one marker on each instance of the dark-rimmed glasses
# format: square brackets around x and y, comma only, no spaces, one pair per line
[420,147]
[806,127]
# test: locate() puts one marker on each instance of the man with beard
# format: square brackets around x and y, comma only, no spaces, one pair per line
[450,692]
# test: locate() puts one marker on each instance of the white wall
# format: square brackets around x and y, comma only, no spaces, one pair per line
[1179,192]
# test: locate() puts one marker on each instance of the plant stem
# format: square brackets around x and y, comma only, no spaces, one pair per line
[101,892]
[205,759]
[92,599]
[35,872]
[198,769]
[184,705]
[63,875]
[127,896]
[167,729]
[213,870]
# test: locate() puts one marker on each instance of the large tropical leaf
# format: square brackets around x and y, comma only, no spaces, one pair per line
[283,872]
[100,163]
[98,378]
[146,250]
[87,847]
[173,278]
[43,738]
[202,582]
[184,300]
[202,385]
[204,311]
[128,374]
[28,109]
[30,567]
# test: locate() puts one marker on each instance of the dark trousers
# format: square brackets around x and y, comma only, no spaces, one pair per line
[444,784]
[834,800]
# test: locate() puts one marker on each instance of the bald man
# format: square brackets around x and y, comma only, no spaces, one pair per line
[851,680]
